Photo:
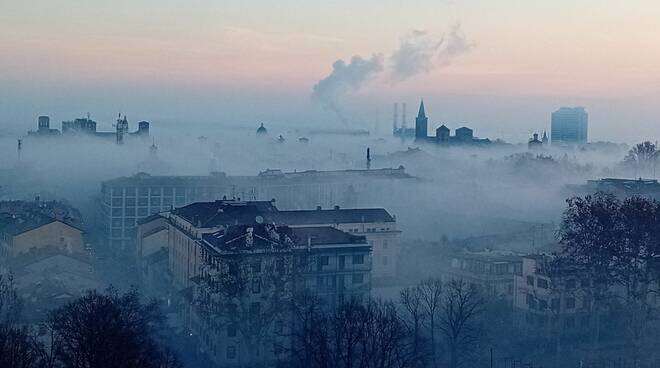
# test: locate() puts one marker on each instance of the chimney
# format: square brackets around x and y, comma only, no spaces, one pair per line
[318,208]
[336,207]
[403,115]
[395,121]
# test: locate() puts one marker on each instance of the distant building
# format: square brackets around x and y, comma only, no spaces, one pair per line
[649,188]
[26,226]
[262,130]
[87,126]
[551,302]
[545,139]
[463,136]
[569,126]
[403,131]
[128,199]
[421,123]
[492,272]
[535,143]
[43,128]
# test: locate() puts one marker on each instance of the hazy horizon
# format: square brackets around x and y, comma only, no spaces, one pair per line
[501,69]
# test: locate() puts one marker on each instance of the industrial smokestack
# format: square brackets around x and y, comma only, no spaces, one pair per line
[396,117]
[403,115]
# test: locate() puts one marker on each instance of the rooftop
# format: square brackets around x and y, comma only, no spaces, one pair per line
[333,216]
[268,237]
[264,177]
[225,212]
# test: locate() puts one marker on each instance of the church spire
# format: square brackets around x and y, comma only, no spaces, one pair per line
[421,113]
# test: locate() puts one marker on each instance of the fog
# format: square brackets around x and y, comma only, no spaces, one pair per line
[460,191]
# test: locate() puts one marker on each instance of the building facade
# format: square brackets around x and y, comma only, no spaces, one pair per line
[569,126]
[492,272]
[128,199]
[550,303]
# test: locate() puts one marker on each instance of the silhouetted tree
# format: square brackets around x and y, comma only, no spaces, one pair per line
[414,316]
[361,335]
[430,291]
[18,346]
[458,321]
[615,245]
[643,157]
[108,330]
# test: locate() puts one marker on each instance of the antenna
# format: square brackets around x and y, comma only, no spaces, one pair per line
[19,147]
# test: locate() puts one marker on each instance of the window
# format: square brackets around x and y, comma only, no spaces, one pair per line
[584,283]
[231,330]
[231,352]
[554,304]
[279,326]
[384,260]
[543,304]
[571,284]
[255,308]
[531,301]
[384,243]
[570,303]
[569,322]
[342,262]
[542,283]
[256,286]
[256,267]
[358,278]
[530,280]
[322,261]
[359,259]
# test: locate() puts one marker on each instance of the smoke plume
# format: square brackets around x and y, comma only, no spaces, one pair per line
[419,53]
[343,79]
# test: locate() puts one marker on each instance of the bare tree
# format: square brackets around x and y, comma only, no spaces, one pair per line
[459,321]
[10,303]
[411,301]
[108,330]
[430,291]
[359,335]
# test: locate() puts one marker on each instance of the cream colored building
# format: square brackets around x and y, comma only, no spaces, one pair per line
[20,234]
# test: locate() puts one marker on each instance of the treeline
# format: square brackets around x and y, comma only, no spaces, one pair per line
[98,330]
[432,324]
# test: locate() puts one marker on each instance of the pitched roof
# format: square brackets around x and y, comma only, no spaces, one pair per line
[333,216]
[325,235]
[268,237]
[225,212]
[421,113]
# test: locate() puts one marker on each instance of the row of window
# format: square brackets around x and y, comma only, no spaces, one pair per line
[569,284]
[542,304]
[322,261]
[131,202]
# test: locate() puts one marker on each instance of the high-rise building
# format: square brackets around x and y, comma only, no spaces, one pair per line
[569,126]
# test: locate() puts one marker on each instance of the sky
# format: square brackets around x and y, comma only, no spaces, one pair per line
[241,62]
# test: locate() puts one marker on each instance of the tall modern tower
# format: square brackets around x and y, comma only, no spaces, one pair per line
[569,126]
[421,123]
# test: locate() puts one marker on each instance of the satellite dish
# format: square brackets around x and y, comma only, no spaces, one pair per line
[259,220]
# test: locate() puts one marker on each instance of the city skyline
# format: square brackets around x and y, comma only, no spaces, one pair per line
[214,62]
